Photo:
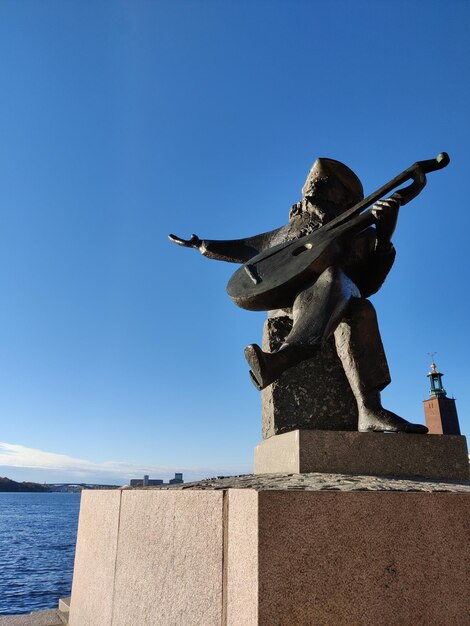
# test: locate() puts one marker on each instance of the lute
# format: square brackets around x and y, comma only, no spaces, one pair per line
[271,278]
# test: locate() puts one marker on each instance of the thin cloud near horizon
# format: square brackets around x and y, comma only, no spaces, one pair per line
[19,456]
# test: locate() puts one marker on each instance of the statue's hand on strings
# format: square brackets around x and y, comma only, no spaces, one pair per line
[194,242]
[386,216]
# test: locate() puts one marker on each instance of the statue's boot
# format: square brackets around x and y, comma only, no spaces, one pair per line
[266,367]
[316,312]
[374,418]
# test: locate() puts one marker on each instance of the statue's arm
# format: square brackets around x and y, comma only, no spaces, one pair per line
[378,266]
[230,250]
[380,261]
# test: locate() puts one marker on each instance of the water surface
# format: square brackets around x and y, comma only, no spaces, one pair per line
[38,533]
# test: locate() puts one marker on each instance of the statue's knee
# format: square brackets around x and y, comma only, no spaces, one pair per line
[362,312]
[364,307]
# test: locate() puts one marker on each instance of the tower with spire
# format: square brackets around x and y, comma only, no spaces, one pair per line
[439,410]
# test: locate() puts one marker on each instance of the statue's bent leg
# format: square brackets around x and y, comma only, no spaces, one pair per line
[360,349]
[317,311]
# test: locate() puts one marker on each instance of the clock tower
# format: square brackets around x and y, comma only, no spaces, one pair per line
[439,410]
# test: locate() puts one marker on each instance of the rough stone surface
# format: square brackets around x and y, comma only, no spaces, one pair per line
[148,558]
[38,618]
[241,580]
[427,456]
[363,558]
[286,550]
[322,482]
[64,604]
[95,558]
[314,394]
[169,560]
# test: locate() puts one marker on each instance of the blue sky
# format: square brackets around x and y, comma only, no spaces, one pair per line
[123,121]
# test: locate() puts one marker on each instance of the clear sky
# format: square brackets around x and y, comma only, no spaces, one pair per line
[120,122]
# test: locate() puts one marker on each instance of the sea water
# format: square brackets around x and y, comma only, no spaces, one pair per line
[38,533]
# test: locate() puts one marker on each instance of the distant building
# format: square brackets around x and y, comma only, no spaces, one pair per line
[439,410]
[149,482]
[178,479]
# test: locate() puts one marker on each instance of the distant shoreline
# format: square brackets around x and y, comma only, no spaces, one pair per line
[7,485]
[11,486]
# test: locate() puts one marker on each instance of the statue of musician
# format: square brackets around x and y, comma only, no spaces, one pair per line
[335,302]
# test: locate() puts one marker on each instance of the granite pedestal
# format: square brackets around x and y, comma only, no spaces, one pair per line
[309,549]
[380,454]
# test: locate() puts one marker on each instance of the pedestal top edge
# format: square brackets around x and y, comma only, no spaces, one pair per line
[318,482]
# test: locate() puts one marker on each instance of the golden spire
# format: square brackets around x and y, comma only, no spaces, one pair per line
[434,369]
[435,378]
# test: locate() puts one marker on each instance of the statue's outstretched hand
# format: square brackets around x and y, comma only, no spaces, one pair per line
[194,242]
[386,216]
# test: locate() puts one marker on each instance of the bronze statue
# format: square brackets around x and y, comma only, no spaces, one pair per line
[322,266]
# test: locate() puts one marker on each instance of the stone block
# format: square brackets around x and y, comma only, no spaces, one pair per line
[314,394]
[37,618]
[285,557]
[241,580]
[379,454]
[64,604]
[148,557]
[373,559]
[95,558]
[170,559]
